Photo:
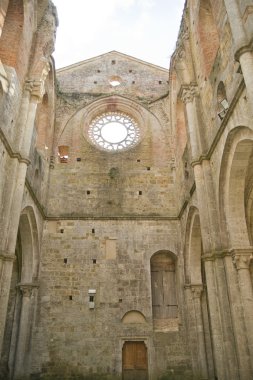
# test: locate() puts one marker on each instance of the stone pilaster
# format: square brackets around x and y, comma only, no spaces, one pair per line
[242,259]
[25,326]
[6,264]
[197,290]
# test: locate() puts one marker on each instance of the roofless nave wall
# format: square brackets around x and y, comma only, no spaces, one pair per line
[128,254]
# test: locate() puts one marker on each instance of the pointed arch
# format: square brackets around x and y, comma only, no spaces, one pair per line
[234,171]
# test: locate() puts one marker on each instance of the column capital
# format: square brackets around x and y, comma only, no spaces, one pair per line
[197,290]
[36,89]
[27,289]
[188,92]
[242,257]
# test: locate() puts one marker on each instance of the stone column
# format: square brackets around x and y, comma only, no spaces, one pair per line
[197,290]
[188,94]
[24,333]
[216,329]
[12,215]
[243,48]
[6,264]
[244,360]
[242,258]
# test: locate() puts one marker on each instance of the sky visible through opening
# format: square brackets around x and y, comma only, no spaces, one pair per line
[144,29]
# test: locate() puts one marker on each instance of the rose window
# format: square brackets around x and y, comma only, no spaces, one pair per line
[114,131]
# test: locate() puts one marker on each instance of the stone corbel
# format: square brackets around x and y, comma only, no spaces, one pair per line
[188,92]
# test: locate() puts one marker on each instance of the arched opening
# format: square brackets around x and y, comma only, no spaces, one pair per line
[17,348]
[164,293]
[181,131]
[45,117]
[235,186]
[195,252]
[199,316]
[11,41]
[222,103]
[208,35]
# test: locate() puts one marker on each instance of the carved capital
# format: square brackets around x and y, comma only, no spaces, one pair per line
[242,258]
[197,290]
[27,290]
[36,87]
[188,92]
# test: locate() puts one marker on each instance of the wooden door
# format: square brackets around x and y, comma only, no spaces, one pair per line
[134,361]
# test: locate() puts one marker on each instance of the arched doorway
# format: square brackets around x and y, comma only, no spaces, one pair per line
[20,313]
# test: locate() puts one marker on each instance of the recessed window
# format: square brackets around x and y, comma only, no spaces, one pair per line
[63,153]
[114,132]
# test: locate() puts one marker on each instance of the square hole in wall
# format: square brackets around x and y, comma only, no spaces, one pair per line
[140,192]
[94,261]
[88,192]
[148,168]
[78,159]
[65,261]
[61,230]
[70,298]
[113,62]
[93,230]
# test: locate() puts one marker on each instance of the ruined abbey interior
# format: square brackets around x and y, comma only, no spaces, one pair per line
[127,255]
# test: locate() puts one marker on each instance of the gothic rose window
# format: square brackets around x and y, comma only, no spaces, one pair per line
[114,131]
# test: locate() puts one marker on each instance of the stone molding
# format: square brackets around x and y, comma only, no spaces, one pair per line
[215,255]
[5,256]
[244,49]
[188,92]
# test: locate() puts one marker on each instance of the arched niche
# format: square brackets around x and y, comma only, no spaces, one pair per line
[193,248]
[235,168]
[133,317]
[208,35]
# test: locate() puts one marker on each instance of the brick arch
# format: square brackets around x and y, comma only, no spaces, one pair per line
[11,41]
[208,35]
[232,187]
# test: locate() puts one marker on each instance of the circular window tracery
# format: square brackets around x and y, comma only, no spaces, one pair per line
[114,131]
